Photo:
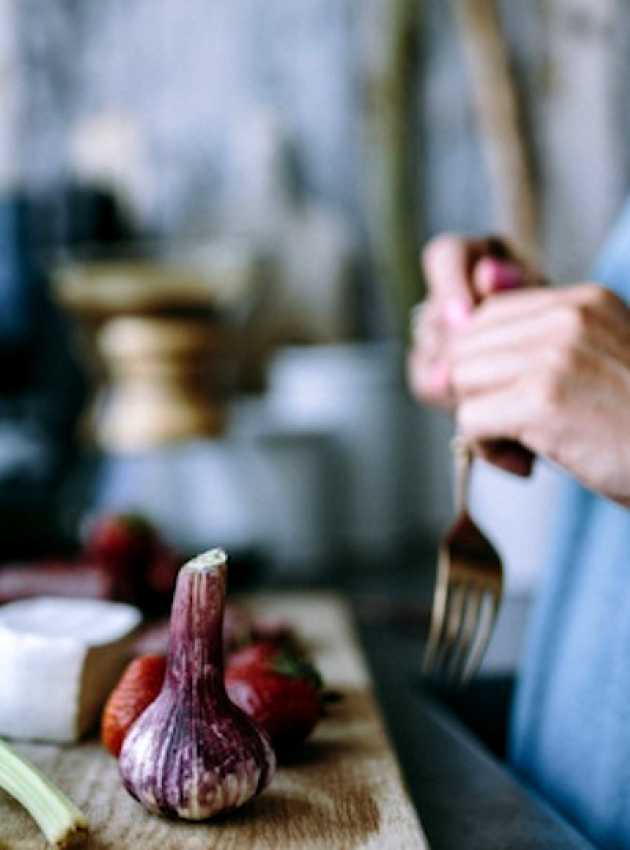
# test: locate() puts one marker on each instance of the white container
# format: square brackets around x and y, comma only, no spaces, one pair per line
[293,476]
[199,493]
[353,393]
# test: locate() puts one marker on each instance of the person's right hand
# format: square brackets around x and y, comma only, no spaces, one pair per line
[460,273]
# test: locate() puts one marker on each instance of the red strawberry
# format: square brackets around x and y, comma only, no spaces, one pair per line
[123,544]
[143,568]
[120,537]
[278,690]
[139,685]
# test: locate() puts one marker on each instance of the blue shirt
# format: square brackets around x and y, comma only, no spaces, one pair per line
[570,735]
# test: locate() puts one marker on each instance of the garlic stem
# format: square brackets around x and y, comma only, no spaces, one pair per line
[63,824]
[195,656]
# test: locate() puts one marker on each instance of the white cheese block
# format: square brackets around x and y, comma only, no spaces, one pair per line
[59,659]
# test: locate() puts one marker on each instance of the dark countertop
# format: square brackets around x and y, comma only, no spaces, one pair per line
[466,796]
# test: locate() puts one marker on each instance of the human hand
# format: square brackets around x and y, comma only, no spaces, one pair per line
[460,273]
[551,369]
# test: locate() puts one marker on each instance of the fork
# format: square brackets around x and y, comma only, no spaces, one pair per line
[468,588]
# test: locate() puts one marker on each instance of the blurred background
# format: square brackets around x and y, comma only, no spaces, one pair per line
[210,220]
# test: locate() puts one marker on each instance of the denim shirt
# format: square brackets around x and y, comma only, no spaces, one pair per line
[570,734]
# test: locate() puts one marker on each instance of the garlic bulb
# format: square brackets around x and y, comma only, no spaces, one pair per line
[192,753]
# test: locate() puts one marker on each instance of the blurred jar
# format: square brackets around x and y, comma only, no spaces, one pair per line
[295,478]
[353,394]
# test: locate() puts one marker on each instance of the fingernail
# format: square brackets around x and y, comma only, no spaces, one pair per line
[456,312]
[498,275]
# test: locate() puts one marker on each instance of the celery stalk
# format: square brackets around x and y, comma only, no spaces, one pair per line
[58,818]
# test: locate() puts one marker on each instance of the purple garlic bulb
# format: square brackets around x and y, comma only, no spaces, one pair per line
[192,753]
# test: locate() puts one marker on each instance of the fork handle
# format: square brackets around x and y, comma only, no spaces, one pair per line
[463,456]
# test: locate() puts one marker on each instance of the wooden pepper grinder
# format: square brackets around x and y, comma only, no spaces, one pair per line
[157,348]
[162,385]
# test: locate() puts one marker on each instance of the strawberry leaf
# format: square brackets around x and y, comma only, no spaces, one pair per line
[297,668]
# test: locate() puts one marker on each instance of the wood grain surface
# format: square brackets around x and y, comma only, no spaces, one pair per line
[343,792]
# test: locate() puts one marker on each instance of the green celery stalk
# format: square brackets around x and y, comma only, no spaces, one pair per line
[63,824]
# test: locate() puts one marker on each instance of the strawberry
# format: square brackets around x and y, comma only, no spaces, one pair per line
[139,685]
[278,690]
[120,537]
[142,567]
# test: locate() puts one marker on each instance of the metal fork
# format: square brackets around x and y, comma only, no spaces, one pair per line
[468,588]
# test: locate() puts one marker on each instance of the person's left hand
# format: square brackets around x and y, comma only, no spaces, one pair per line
[551,369]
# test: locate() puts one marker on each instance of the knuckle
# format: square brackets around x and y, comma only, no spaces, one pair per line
[560,360]
[594,295]
[591,292]
[574,319]
[546,394]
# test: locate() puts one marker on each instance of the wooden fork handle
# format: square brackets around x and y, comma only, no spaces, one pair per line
[509,455]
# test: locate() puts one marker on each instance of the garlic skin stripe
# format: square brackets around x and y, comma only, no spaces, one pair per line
[192,753]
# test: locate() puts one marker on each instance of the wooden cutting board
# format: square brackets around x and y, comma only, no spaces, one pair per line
[344,793]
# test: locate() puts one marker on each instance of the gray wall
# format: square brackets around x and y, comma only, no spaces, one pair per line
[179,80]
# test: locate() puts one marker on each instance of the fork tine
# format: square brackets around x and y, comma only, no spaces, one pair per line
[470,624]
[444,637]
[486,626]
[438,614]
[454,624]
[467,590]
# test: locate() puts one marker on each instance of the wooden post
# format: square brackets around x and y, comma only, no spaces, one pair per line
[390,31]
[496,103]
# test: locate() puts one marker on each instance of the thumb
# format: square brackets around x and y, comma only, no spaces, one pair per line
[446,262]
